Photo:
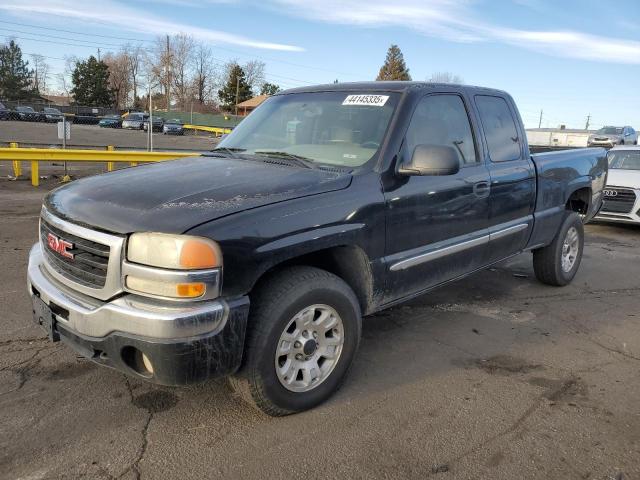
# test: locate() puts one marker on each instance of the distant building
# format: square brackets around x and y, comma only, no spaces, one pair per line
[558,137]
[60,100]
[248,106]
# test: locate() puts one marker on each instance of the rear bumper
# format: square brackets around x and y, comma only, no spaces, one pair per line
[184,343]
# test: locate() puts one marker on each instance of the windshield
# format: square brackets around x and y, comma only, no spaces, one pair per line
[336,128]
[136,117]
[25,109]
[51,110]
[610,131]
[625,159]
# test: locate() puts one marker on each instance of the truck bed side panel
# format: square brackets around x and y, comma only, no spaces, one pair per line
[560,174]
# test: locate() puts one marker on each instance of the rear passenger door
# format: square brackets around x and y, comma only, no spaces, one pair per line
[513,177]
[437,225]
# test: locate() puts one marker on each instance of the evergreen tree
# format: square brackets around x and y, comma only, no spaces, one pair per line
[394,67]
[91,84]
[236,85]
[269,89]
[15,76]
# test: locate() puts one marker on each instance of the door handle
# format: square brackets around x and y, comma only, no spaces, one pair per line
[481,189]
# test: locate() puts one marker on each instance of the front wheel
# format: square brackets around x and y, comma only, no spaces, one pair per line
[304,331]
[557,263]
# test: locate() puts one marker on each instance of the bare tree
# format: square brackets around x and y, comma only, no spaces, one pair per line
[158,66]
[204,75]
[135,56]
[40,73]
[445,77]
[182,55]
[119,78]
[254,73]
[64,78]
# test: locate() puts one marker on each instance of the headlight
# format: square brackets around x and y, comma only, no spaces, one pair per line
[173,266]
[182,252]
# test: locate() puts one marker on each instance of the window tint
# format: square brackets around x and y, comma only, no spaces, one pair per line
[442,120]
[499,128]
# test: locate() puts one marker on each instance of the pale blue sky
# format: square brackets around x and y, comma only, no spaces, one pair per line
[570,58]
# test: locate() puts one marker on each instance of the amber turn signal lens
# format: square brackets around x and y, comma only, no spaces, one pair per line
[198,254]
[190,290]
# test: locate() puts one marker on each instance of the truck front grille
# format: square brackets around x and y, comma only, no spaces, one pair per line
[618,200]
[90,260]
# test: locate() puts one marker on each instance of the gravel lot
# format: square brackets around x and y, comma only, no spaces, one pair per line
[495,376]
[82,135]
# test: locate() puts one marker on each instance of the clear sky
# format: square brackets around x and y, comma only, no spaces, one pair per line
[570,58]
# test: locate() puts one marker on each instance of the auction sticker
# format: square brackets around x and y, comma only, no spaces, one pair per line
[371,100]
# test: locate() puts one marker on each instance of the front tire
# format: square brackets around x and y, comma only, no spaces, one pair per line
[557,263]
[304,331]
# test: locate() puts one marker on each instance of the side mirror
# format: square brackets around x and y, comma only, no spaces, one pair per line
[432,160]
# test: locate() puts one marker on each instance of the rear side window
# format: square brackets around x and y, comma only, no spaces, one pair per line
[442,120]
[499,128]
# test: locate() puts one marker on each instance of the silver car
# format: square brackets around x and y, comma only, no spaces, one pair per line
[611,136]
[134,121]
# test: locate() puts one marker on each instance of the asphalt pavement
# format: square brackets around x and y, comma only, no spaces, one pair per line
[495,376]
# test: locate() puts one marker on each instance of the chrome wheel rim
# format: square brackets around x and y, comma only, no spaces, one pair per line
[570,248]
[309,348]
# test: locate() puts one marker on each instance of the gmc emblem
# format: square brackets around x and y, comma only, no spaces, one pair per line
[610,193]
[59,245]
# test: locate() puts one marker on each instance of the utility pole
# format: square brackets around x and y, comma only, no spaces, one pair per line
[168,76]
[98,54]
[237,91]
[540,121]
[588,121]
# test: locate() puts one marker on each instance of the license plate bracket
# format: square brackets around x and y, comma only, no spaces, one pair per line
[42,315]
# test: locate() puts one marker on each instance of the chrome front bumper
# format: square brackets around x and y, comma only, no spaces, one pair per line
[127,313]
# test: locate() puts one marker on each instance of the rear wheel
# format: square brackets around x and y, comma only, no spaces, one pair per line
[304,331]
[557,263]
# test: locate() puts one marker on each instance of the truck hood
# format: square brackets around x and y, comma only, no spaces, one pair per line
[618,177]
[174,196]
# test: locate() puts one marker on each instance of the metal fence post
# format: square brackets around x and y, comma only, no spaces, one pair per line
[110,148]
[17,164]
[35,174]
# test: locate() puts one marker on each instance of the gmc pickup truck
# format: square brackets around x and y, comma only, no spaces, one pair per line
[258,260]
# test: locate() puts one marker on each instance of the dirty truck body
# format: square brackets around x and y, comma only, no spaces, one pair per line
[258,260]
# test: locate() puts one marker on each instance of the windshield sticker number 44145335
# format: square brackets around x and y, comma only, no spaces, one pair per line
[370,100]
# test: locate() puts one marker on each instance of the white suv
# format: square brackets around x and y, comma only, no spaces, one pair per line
[622,193]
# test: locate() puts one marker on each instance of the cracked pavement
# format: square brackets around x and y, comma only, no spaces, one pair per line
[495,376]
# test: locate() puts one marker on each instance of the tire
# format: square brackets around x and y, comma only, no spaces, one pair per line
[275,309]
[548,261]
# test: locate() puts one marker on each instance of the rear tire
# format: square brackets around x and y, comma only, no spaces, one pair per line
[557,263]
[304,331]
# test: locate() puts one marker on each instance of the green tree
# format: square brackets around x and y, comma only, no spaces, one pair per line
[15,75]
[90,80]
[269,89]
[236,89]
[394,67]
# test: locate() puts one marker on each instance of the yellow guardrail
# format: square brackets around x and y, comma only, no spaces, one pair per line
[204,128]
[110,156]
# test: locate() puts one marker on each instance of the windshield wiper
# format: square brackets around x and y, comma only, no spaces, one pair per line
[299,160]
[231,151]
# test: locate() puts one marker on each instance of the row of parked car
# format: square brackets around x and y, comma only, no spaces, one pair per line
[140,121]
[28,114]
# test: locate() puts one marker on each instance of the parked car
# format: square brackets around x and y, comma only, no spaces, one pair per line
[158,123]
[622,193]
[28,114]
[258,260]
[111,121]
[52,115]
[5,113]
[611,136]
[173,127]
[134,121]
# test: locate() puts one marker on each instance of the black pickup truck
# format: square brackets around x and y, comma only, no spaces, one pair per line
[258,260]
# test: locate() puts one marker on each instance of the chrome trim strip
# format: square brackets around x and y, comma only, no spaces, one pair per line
[113,284]
[129,313]
[508,231]
[210,277]
[457,248]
